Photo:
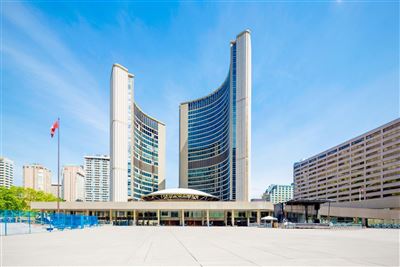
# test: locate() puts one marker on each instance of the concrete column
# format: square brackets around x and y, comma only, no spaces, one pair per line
[158,217]
[111,217]
[182,218]
[258,217]
[208,218]
[248,213]
[134,217]
[225,218]
[233,218]
[364,222]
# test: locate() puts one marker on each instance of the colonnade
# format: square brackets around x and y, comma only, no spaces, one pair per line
[113,214]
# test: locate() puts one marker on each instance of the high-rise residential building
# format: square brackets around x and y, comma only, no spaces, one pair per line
[215,132]
[97,178]
[54,190]
[37,177]
[137,143]
[73,183]
[278,193]
[363,168]
[6,172]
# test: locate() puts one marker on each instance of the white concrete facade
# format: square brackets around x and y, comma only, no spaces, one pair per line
[243,116]
[162,142]
[137,143]
[119,133]
[183,145]
[6,172]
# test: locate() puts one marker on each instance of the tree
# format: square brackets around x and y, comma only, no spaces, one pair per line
[19,198]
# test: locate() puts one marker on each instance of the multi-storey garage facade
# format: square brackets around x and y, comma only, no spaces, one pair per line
[363,168]
[215,132]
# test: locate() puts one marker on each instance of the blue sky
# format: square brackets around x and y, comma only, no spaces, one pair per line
[323,72]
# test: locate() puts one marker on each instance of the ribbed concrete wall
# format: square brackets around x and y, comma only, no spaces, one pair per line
[119,134]
[243,116]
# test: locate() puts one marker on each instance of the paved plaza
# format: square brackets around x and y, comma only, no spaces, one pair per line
[202,246]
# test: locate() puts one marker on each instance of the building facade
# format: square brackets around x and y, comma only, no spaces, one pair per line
[363,168]
[6,172]
[97,178]
[137,143]
[278,193]
[73,183]
[174,206]
[37,177]
[54,190]
[215,132]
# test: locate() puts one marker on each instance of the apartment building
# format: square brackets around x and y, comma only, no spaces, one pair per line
[365,167]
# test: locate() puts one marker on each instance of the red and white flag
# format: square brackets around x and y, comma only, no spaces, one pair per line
[53,128]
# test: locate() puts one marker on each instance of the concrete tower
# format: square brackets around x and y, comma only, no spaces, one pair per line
[121,79]
[137,144]
[215,132]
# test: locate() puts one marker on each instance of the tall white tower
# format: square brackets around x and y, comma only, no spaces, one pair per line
[121,82]
[242,127]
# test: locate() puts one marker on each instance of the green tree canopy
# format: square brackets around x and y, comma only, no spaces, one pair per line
[19,198]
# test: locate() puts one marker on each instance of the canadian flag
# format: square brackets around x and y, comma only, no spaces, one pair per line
[53,128]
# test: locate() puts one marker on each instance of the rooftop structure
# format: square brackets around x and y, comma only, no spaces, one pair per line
[179,194]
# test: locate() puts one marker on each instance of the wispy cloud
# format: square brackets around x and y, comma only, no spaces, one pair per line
[62,77]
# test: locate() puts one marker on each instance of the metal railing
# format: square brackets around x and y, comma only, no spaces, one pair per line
[26,222]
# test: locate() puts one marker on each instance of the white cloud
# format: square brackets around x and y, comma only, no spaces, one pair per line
[58,74]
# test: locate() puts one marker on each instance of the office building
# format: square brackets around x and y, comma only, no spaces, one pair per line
[6,172]
[73,183]
[97,178]
[364,168]
[37,177]
[137,143]
[54,190]
[278,193]
[215,132]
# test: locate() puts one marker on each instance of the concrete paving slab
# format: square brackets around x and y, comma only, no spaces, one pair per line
[203,246]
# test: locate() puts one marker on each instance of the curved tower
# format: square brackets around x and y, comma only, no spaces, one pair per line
[148,155]
[137,143]
[215,132]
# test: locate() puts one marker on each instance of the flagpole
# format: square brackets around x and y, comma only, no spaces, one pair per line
[58,168]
